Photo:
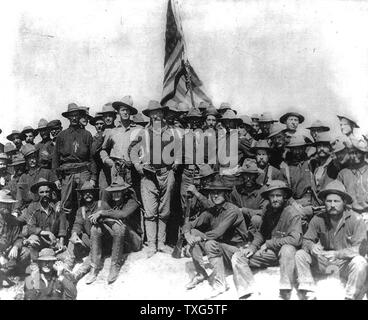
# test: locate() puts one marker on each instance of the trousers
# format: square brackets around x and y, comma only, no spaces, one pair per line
[243,276]
[352,271]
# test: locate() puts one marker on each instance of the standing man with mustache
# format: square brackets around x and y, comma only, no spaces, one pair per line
[73,160]
[275,243]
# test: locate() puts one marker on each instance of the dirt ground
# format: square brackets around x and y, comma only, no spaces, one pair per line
[164,278]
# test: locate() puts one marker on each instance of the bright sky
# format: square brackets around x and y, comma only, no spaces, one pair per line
[310,56]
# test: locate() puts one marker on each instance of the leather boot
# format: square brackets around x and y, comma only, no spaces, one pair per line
[114,273]
[92,276]
[116,254]
[151,233]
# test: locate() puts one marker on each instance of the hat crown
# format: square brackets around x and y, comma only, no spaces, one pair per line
[28,149]
[42,123]
[277,128]
[296,141]
[5,196]
[255,116]
[171,104]
[323,137]
[18,159]
[183,107]
[139,118]
[211,110]
[335,185]
[54,123]
[153,104]
[350,118]
[194,112]
[249,166]
[217,184]
[275,185]
[225,105]
[87,185]
[107,107]
[127,100]
[27,128]
[266,117]
[203,105]
[9,147]
[229,115]
[246,120]
[261,144]
[46,252]
[3,156]
[205,170]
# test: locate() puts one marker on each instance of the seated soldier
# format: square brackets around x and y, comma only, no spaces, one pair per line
[247,196]
[49,279]
[46,226]
[5,175]
[14,258]
[79,243]
[335,240]
[122,223]
[223,232]
[275,243]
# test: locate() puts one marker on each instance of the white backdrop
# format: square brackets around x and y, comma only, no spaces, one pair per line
[258,55]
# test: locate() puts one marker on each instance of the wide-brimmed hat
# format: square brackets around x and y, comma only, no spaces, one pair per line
[230,115]
[126,101]
[217,184]
[10,137]
[338,146]
[360,145]
[297,141]
[47,254]
[224,106]
[318,125]
[212,111]
[284,117]
[353,121]
[205,171]
[172,106]
[86,115]
[54,124]
[183,107]
[249,166]
[275,185]
[98,116]
[260,144]
[193,113]
[3,156]
[203,106]
[266,117]
[323,137]
[246,120]
[17,160]
[72,107]
[153,105]
[5,196]
[118,185]
[42,182]
[107,108]
[87,186]
[140,119]
[335,187]
[255,116]
[276,129]
[9,147]
[28,149]
[26,130]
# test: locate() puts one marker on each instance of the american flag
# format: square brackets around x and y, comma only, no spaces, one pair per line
[179,76]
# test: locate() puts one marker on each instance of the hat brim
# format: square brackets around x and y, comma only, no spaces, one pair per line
[355,125]
[206,176]
[35,133]
[324,193]
[13,164]
[224,188]
[291,114]
[321,128]
[47,258]
[117,104]
[67,113]
[8,201]
[117,188]
[30,152]
[245,171]
[93,120]
[90,189]
[10,137]
[265,193]
[34,188]
[147,111]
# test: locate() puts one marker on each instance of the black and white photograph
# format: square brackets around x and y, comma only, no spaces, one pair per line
[184,150]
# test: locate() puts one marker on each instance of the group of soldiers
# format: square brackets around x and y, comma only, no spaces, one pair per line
[286,195]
